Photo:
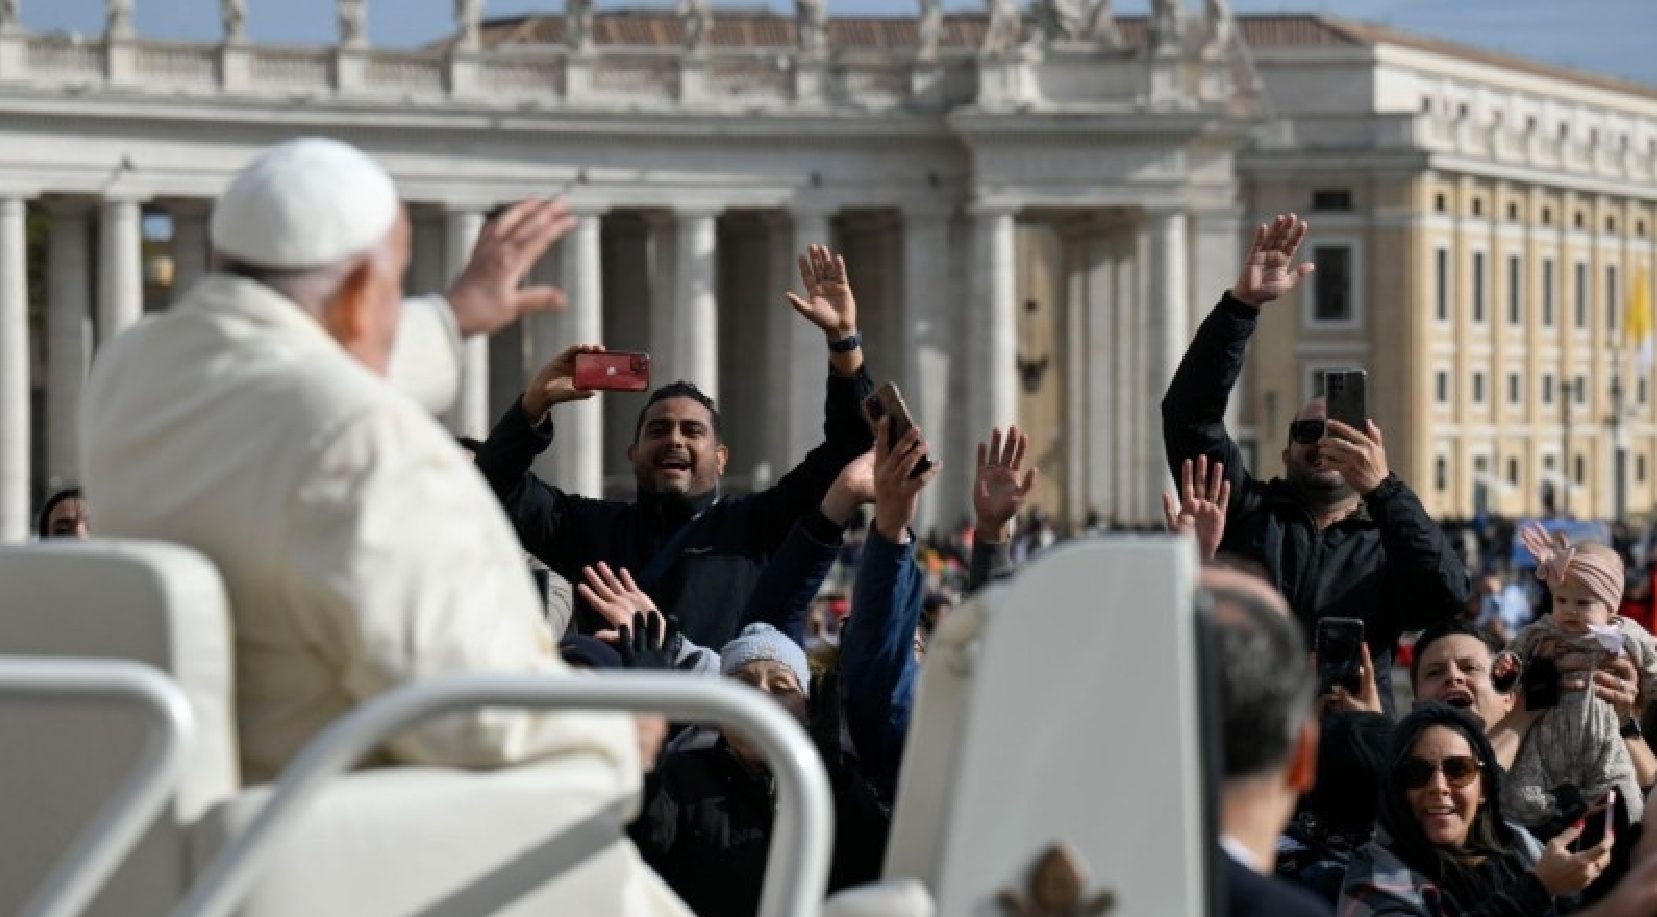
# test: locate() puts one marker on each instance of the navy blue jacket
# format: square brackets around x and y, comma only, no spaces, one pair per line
[877,656]
[709,584]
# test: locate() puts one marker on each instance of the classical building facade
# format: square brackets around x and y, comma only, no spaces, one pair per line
[1037,205]
[1481,224]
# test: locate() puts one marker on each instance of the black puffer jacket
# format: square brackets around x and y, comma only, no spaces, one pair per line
[709,584]
[1388,564]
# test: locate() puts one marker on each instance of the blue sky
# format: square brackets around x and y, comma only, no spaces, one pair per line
[1608,36]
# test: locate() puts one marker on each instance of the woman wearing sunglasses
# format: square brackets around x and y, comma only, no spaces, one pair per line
[1442,848]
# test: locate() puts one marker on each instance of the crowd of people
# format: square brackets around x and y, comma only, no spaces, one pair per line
[295,385]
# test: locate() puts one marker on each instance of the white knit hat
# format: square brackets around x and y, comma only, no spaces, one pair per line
[764,643]
[303,204]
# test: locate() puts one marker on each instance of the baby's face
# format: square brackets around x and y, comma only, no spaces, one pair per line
[1574,608]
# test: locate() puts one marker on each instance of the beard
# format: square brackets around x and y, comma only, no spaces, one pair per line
[1319,490]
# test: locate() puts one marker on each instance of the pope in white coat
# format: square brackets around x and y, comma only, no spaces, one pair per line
[255,422]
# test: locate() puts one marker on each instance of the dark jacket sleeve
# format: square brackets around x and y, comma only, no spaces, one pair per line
[793,576]
[1430,581]
[846,436]
[990,560]
[1193,410]
[541,515]
[877,656]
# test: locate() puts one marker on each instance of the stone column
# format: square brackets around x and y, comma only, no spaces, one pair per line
[189,245]
[928,336]
[14,374]
[662,246]
[1128,295]
[1167,310]
[120,268]
[470,415]
[68,339]
[805,352]
[581,423]
[1217,243]
[696,353]
[992,330]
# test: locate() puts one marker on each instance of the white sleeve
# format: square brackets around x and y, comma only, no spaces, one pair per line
[426,361]
[408,571]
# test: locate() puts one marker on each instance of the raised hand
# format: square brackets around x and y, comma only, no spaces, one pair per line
[555,383]
[897,487]
[487,295]
[1360,458]
[828,302]
[854,487]
[651,641]
[616,598]
[1268,269]
[1002,483]
[1199,513]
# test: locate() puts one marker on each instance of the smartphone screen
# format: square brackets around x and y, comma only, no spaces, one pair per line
[1347,397]
[1338,642]
[1541,684]
[1600,824]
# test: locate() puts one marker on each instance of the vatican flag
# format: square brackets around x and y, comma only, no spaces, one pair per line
[1639,317]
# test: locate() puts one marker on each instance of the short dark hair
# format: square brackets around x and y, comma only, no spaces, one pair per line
[1452,628]
[1266,687]
[1353,764]
[679,389]
[44,523]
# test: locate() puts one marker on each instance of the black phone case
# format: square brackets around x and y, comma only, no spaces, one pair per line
[1541,684]
[1347,395]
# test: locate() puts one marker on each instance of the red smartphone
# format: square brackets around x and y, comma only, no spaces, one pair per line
[1601,823]
[612,371]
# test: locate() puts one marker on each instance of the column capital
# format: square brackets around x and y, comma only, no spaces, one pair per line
[695,209]
[813,207]
[587,207]
[928,209]
[983,205]
[195,207]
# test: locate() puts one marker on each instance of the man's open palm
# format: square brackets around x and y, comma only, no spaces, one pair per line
[1269,268]
[1002,484]
[828,302]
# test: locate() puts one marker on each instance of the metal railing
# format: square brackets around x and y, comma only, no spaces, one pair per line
[104,843]
[797,871]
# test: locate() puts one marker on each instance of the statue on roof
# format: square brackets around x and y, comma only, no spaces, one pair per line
[353,23]
[234,15]
[698,19]
[1061,20]
[578,24]
[931,29]
[468,18]
[118,19]
[811,21]
[1217,13]
[1167,25]
[1102,27]
[1006,26]
[9,14]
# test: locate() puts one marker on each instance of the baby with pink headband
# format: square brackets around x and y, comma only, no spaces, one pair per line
[1579,742]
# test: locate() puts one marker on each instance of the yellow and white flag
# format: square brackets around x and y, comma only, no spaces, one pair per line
[1639,317]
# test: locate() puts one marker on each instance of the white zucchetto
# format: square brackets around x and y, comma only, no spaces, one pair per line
[303,204]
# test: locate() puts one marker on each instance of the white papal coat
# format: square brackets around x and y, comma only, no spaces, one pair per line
[361,550]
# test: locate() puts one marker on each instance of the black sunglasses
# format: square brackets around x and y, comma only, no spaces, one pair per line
[1459,771]
[1306,432]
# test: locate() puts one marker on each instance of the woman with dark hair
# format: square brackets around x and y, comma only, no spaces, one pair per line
[64,515]
[1442,848]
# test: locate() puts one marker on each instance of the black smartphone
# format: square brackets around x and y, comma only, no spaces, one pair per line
[1600,823]
[1338,645]
[887,401]
[1346,392]
[1541,684]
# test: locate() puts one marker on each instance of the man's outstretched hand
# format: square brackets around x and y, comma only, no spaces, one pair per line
[1002,484]
[1200,508]
[828,301]
[555,383]
[1269,268]
[487,296]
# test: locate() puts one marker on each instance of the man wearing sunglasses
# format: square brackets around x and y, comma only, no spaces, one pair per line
[1339,534]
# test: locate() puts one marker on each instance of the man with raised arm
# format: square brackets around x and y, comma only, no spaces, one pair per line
[1340,535]
[696,553]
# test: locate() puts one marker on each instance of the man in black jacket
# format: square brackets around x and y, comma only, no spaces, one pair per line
[1340,535]
[697,554]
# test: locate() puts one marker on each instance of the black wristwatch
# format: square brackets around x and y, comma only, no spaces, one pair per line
[1631,729]
[847,344]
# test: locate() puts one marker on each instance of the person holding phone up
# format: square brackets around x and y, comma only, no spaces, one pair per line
[696,554]
[1340,535]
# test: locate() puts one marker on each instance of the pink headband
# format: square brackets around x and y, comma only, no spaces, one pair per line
[1557,561]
